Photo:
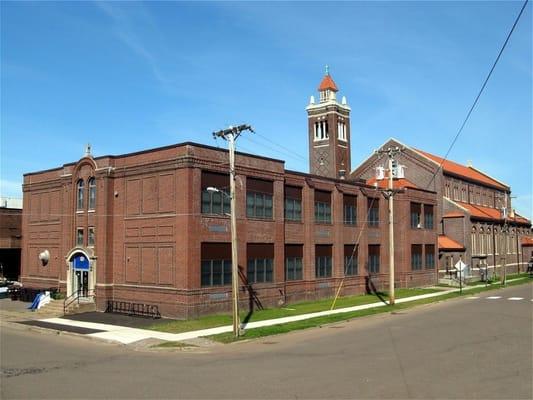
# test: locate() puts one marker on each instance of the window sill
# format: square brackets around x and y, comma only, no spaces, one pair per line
[215,286]
[80,211]
[91,211]
[257,285]
[292,221]
[215,216]
[324,223]
[260,219]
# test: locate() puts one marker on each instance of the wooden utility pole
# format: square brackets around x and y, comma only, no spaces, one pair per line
[391,153]
[231,134]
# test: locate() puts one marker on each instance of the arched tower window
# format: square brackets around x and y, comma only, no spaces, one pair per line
[92,193]
[79,197]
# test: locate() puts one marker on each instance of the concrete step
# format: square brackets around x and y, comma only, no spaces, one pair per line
[81,308]
[54,308]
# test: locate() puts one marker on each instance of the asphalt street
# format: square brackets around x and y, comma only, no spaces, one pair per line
[468,348]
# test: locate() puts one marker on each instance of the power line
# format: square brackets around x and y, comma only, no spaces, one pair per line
[479,94]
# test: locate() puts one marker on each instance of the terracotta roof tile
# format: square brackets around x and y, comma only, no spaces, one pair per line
[445,243]
[453,214]
[494,214]
[396,183]
[327,83]
[462,170]
[527,241]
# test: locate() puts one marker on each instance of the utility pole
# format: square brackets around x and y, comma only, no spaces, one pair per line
[231,134]
[505,237]
[389,194]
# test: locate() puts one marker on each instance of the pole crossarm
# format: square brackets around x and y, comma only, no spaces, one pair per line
[232,130]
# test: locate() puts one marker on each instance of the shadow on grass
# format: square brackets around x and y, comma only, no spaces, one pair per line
[370,288]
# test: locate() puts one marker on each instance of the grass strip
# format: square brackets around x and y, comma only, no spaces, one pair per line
[319,321]
[213,321]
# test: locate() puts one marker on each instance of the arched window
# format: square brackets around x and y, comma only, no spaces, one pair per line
[481,242]
[92,194]
[473,238]
[80,191]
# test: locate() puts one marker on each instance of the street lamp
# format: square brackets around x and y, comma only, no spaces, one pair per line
[234,258]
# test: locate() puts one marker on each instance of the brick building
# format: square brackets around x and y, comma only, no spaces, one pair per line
[10,238]
[476,221]
[144,227]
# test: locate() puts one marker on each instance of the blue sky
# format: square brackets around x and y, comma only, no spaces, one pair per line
[131,76]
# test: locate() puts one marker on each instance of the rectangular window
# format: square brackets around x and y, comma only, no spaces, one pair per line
[350,260]
[293,203]
[79,237]
[323,263]
[260,268]
[428,216]
[350,209]
[373,212]
[216,264]
[416,211]
[322,207]
[90,237]
[373,258]
[215,193]
[416,257]
[259,198]
[430,256]
[293,262]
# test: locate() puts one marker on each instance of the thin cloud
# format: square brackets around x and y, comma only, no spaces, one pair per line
[123,28]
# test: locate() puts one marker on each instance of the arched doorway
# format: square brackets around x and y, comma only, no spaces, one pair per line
[80,277]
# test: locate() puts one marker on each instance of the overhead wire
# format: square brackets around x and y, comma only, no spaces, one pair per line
[479,94]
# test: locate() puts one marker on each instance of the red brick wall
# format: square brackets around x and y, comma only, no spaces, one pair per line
[149,230]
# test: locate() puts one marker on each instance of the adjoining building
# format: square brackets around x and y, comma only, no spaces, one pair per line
[476,221]
[10,238]
[147,227]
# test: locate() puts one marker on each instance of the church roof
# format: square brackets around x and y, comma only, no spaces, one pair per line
[464,171]
[327,83]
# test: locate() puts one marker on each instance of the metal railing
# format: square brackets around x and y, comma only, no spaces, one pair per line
[76,296]
[134,309]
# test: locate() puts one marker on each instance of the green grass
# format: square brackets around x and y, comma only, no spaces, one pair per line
[314,322]
[212,321]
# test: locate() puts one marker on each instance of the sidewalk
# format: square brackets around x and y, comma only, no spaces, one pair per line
[125,335]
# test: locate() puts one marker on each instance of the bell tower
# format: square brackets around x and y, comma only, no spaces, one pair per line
[329,132]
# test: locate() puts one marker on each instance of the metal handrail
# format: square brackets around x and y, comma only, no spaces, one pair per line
[76,297]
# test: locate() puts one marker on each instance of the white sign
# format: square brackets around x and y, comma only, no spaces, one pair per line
[460,265]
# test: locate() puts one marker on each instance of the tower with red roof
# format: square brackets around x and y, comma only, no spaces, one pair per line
[329,131]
